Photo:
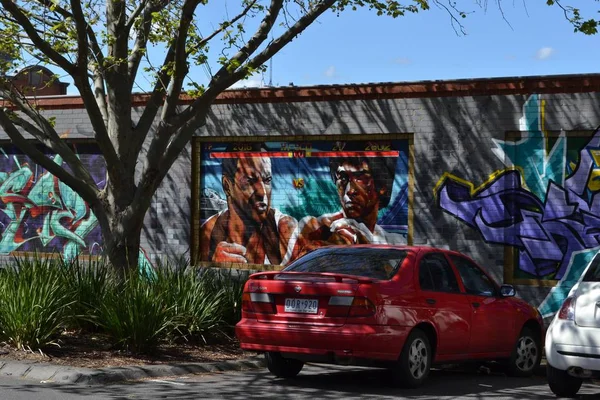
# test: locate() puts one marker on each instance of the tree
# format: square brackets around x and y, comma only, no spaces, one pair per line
[105,46]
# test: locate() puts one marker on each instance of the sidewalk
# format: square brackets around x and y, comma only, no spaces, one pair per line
[48,373]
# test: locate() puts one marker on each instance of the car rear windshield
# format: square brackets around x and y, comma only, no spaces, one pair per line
[370,263]
[593,272]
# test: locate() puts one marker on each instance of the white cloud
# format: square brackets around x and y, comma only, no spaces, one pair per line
[248,83]
[403,61]
[544,53]
[330,72]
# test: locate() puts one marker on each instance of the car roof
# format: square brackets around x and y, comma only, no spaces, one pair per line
[388,246]
[411,248]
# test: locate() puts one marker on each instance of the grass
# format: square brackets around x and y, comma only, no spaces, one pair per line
[42,297]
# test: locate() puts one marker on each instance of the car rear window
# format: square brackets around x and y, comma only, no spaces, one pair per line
[370,263]
[593,272]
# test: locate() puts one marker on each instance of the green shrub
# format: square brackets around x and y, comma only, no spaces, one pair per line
[90,281]
[39,297]
[197,306]
[136,315]
[232,284]
[35,305]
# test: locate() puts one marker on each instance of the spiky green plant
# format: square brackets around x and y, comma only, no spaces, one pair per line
[232,283]
[90,279]
[35,305]
[196,305]
[136,315]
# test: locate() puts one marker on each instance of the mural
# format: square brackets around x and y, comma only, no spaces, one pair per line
[268,203]
[39,213]
[543,204]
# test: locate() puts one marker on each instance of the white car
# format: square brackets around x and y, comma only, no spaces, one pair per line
[573,337]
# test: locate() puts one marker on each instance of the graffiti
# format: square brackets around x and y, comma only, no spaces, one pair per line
[40,213]
[281,199]
[543,204]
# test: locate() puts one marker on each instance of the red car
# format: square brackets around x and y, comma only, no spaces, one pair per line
[399,307]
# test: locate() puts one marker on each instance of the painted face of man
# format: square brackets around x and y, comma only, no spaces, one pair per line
[251,189]
[356,190]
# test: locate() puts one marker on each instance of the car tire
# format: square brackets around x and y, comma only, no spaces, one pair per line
[561,383]
[526,355]
[283,367]
[414,363]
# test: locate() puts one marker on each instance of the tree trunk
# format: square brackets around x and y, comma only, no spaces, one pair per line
[121,232]
[122,247]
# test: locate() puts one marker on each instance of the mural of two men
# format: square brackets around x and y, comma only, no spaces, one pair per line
[252,229]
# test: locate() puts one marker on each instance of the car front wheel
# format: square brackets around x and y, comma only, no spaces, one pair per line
[526,355]
[283,367]
[561,383]
[414,362]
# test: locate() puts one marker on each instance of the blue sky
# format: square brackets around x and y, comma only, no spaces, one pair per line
[360,47]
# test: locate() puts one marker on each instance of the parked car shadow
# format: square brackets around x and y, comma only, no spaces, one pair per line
[447,383]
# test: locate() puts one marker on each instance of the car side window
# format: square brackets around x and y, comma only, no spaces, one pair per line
[435,274]
[593,272]
[474,280]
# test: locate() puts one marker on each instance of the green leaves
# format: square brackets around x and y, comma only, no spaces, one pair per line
[34,303]
[42,297]
[390,8]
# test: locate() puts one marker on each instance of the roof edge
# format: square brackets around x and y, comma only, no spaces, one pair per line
[571,83]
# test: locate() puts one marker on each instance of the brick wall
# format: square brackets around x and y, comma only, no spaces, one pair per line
[460,131]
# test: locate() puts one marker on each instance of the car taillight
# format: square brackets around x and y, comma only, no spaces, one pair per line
[346,306]
[362,307]
[567,311]
[262,303]
[339,306]
[246,303]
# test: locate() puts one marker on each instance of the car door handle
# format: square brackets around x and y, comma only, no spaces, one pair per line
[430,301]
[476,305]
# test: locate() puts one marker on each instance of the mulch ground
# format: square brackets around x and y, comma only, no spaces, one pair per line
[94,351]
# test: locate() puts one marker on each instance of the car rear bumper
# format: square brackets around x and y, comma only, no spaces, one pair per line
[343,342]
[568,345]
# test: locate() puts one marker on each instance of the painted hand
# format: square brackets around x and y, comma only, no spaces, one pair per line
[354,232]
[230,252]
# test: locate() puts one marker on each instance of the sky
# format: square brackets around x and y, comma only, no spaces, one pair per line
[360,47]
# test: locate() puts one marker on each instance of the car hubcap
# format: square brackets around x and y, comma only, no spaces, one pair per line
[527,354]
[417,359]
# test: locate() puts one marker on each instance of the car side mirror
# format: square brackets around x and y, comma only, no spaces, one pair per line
[507,291]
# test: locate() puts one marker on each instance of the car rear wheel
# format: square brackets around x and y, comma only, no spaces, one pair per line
[283,367]
[526,355]
[561,383]
[414,362]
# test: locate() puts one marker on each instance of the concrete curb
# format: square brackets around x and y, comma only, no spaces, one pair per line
[47,373]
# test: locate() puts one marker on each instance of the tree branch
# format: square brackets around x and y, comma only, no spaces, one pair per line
[46,134]
[224,26]
[181,68]
[18,14]
[255,41]
[141,39]
[88,192]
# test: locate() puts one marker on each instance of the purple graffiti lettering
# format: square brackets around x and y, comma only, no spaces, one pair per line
[546,233]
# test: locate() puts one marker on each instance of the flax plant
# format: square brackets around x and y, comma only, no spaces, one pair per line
[35,305]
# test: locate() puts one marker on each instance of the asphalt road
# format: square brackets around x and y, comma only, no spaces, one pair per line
[313,383]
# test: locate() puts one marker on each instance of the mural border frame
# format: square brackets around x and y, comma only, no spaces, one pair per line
[510,252]
[197,162]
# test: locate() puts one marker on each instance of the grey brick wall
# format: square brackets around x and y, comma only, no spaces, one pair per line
[451,135]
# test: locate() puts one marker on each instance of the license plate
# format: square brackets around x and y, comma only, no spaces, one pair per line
[305,306]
